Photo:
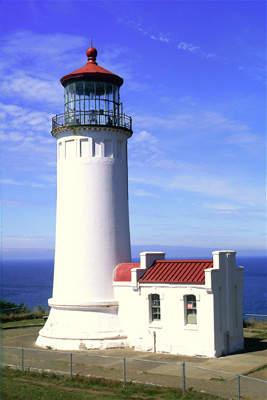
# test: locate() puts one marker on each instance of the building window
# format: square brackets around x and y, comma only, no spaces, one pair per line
[155,307]
[191,309]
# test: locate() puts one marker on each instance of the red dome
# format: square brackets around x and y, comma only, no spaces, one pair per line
[92,72]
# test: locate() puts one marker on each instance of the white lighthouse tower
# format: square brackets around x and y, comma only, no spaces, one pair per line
[92,225]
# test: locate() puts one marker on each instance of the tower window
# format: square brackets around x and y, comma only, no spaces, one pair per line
[155,307]
[60,150]
[96,148]
[120,149]
[84,148]
[108,148]
[191,309]
[70,149]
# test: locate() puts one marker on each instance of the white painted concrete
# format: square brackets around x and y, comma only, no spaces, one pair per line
[219,312]
[92,237]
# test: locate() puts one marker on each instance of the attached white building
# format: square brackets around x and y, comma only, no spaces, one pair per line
[189,307]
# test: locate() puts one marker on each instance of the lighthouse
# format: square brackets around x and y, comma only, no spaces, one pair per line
[92,222]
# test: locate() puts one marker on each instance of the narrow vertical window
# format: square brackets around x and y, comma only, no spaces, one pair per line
[59,150]
[155,307]
[120,149]
[84,148]
[96,148]
[220,307]
[70,149]
[108,148]
[191,309]
[235,300]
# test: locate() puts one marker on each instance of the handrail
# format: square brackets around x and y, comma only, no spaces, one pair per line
[92,118]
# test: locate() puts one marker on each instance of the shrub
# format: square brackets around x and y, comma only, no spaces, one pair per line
[17,312]
[7,308]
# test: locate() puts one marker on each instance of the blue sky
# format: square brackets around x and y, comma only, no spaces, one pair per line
[194,84]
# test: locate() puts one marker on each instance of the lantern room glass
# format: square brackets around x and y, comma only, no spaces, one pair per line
[92,102]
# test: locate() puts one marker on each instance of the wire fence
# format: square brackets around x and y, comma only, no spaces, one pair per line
[26,309]
[257,317]
[145,371]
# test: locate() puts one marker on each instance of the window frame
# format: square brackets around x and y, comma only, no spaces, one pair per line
[155,308]
[190,309]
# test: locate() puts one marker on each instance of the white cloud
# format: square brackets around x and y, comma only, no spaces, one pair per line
[144,136]
[50,178]
[223,208]
[10,181]
[206,185]
[16,119]
[40,46]
[143,193]
[12,137]
[200,122]
[161,37]
[19,85]
[8,203]
[143,148]
[196,50]
[243,138]
[188,46]
[13,242]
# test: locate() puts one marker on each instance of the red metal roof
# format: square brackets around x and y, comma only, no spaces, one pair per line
[122,272]
[177,271]
[92,72]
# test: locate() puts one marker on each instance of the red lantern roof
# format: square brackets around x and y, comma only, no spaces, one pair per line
[92,72]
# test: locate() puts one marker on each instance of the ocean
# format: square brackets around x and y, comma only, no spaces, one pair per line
[31,282]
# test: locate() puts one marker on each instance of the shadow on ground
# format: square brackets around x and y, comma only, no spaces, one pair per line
[253,344]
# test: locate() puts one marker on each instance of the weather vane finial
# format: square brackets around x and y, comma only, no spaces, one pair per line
[91,41]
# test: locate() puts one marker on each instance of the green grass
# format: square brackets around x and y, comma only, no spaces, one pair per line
[258,329]
[255,324]
[26,385]
[10,312]
[24,322]
[257,370]
[261,335]
[217,379]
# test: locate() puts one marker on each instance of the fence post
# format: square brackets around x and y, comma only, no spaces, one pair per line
[183,377]
[71,365]
[238,387]
[22,359]
[124,372]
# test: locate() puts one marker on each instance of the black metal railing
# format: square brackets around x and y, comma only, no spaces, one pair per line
[92,118]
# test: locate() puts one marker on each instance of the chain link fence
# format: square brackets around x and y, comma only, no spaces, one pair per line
[127,370]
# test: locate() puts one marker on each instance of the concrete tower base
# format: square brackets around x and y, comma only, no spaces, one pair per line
[82,327]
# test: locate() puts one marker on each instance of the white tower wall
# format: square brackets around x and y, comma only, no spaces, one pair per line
[92,237]
[92,231]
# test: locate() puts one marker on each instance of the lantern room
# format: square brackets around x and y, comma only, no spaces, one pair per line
[92,98]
